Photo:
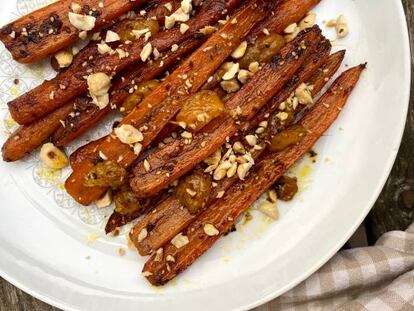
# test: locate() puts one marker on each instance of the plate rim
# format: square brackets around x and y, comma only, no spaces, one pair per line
[375,193]
[406,89]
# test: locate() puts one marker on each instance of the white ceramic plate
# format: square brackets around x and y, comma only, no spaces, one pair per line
[55,250]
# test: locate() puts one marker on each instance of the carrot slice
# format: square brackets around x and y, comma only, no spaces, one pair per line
[48,30]
[49,95]
[221,215]
[170,218]
[220,45]
[169,163]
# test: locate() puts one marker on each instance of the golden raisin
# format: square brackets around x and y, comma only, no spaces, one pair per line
[126,202]
[194,191]
[106,174]
[199,109]
[127,32]
[262,50]
[286,138]
[143,90]
[286,188]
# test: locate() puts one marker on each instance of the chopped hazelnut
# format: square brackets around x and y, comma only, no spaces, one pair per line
[64,58]
[210,230]
[82,22]
[180,240]
[53,157]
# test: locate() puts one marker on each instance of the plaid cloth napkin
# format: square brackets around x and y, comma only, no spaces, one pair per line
[377,278]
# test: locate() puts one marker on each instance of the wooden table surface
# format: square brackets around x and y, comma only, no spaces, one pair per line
[393,210]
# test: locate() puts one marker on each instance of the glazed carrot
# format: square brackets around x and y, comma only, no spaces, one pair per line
[169,163]
[84,120]
[50,95]
[288,12]
[217,48]
[170,217]
[221,215]
[86,114]
[119,96]
[28,137]
[48,30]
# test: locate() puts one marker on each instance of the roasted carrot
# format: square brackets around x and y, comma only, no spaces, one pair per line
[288,12]
[176,159]
[216,49]
[122,92]
[48,30]
[81,115]
[28,137]
[169,218]
[49,95]
[86,119]
[173,260]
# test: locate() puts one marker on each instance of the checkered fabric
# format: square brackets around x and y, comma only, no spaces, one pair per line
[377,278]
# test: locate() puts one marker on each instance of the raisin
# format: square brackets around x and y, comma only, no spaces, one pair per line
[263,50]
[286,138]
[106,174]
[126,201]
[194,191]
[286,188]
[127,31]
[199,109]
[142,90]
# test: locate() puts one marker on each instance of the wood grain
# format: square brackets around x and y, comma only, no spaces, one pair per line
[393,210]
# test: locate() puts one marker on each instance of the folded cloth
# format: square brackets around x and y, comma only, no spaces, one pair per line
[374,278]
